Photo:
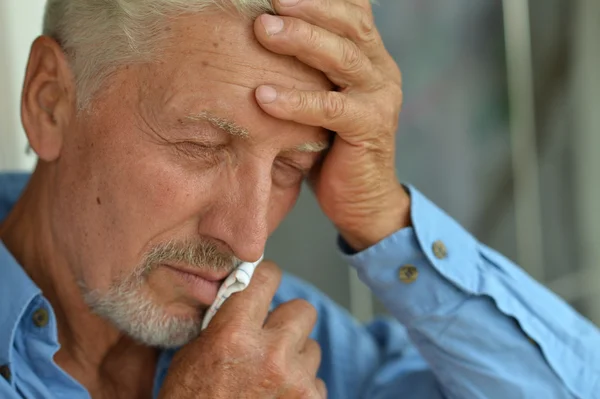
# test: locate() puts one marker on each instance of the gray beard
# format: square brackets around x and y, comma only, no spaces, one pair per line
[139,317]
[127,307]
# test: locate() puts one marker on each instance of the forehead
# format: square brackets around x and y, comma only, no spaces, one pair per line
[217,54]
[213,63]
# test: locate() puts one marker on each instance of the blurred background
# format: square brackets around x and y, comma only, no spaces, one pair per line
[500,127]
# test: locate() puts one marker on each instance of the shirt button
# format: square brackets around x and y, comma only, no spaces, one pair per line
[408,274]
[439,250]
[5,372]
[40,317]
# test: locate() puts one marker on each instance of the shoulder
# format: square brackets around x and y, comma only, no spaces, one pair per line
[11,186]
[16,179]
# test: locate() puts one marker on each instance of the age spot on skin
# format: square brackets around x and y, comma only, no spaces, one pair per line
[98,201]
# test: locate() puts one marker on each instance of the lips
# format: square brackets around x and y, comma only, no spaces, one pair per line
[207,275]
[199,284]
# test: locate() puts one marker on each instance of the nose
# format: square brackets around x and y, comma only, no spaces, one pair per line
[239,217]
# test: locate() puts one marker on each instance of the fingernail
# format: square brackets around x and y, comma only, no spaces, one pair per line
[266,94]
[288,3]
[272,24]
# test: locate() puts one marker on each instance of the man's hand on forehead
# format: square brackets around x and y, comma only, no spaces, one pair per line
[356,186]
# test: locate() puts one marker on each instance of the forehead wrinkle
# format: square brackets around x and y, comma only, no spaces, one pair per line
[234,59]
[247,70]
[286,74]
[224,124]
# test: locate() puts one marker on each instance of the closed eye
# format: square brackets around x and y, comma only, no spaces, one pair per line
[195,150]
[287,173]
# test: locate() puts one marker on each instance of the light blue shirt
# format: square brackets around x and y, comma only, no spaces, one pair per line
[471,325]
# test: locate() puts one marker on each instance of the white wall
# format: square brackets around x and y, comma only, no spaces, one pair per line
[20,23]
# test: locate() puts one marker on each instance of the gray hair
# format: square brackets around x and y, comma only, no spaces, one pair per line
[98,36]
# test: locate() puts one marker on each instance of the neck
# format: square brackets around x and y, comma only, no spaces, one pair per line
[92,350]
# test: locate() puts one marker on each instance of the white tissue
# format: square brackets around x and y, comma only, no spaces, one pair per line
[237,281]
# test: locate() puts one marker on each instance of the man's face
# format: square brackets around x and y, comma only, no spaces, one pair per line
[176,167]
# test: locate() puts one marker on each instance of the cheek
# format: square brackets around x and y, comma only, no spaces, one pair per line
[120,198]
[281,203]
[159,198]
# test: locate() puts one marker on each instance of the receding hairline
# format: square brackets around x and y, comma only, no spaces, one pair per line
[98,36]
[231,127]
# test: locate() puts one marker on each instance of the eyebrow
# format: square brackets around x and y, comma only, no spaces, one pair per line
[220,123]
[236,130]
[312,146]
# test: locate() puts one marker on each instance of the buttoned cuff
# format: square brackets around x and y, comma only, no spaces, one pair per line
[423,271]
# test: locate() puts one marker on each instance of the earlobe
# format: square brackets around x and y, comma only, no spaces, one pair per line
[47,105]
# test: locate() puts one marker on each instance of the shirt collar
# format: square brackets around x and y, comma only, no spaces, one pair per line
[17,290]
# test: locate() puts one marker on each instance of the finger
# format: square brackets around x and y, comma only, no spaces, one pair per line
[311,356]
[253,303]
[321,388]
[341,17]
[348,116]
[342,60]
[295,319]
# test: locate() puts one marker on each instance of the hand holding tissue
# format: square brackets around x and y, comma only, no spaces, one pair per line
[235,282]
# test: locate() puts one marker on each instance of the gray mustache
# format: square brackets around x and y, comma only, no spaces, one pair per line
[204,255]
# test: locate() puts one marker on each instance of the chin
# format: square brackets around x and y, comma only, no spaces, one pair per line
[141,318]
[154,326]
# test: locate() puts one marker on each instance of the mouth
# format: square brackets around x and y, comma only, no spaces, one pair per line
[202,285]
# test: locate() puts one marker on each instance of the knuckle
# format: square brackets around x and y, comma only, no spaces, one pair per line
[266,272]
[303,306]
[394,99]
[231,339]
[388,104]
[322,388]
[300,102]
[304,389]
[366,27]
[334,106]
[397,76]
[312,36]
[322,8]
[314,349]
[353,60]
[387,110]
[363,28]
[275,363]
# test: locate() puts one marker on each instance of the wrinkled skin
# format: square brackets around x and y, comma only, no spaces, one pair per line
[134,171]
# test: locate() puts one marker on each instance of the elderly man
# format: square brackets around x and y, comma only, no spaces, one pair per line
[173,137]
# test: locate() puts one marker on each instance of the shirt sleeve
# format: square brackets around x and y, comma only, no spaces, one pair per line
[485,328]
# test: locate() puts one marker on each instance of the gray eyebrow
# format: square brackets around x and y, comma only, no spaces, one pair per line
[221,123]
[313,146]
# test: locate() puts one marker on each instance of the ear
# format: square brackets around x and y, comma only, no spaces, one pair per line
[48,99]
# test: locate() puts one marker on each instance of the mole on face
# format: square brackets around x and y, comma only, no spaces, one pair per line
[98,201]
[216,45]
